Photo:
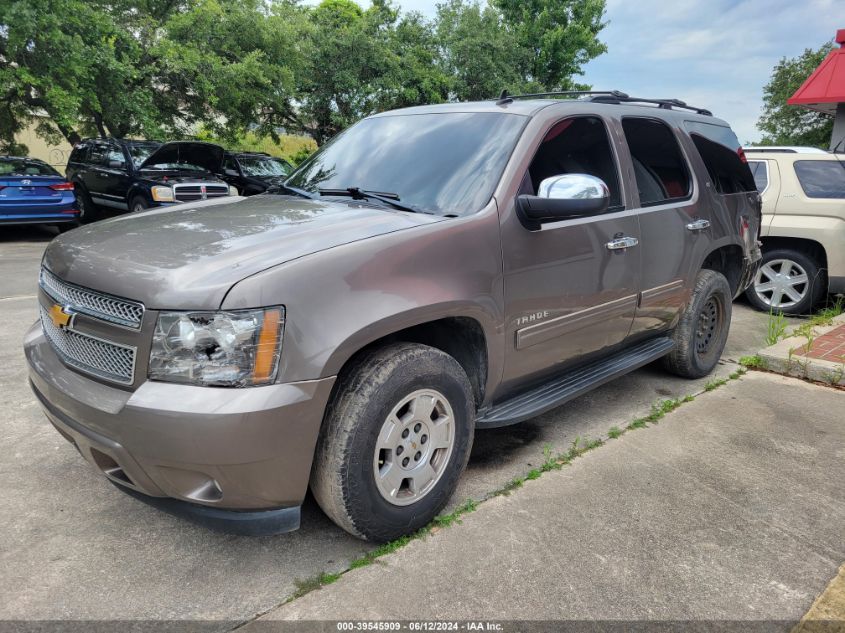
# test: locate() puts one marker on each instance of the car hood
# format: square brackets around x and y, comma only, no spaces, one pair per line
[206,155]
[170,176]
[188,256]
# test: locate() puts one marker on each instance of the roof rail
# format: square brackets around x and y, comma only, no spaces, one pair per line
[507,98]
[605,96]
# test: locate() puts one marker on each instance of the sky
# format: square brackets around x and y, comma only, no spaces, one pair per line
[714,54]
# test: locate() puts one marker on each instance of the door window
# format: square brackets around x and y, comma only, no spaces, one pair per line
[577,145]
[98,153]
[821,178]
[760,171]
[659,166]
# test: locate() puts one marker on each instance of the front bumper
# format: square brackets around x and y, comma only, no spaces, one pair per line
[243,450]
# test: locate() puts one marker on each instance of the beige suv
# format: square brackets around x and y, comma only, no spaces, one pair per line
[803,232]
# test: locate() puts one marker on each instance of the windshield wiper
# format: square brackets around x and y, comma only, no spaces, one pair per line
[356,193]
[289,189]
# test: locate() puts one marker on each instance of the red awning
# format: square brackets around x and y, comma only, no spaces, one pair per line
[825,88]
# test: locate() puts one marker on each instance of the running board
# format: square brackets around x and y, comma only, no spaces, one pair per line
[573,384]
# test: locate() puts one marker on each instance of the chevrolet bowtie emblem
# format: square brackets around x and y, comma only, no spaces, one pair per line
[61,317]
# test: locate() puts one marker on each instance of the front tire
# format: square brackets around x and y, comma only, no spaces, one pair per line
[787,281]
[395,440]
[703,328]
[138,204]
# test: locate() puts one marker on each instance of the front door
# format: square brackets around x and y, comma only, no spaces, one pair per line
[570,287]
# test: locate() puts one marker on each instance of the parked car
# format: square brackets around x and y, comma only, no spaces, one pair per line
[803,232]
[32,192]
[353,332]
[253,172]
[136,175]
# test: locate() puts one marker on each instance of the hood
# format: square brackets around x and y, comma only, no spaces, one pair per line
[206,155]
[188,256]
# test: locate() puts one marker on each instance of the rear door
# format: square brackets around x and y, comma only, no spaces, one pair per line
[672,219]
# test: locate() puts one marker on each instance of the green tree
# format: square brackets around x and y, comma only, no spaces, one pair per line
[784,124]
[479,55]
[150,68]
[556,37]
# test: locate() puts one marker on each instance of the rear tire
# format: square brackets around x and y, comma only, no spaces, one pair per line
[395,440]
[703,328]
[787,281]
[87,211]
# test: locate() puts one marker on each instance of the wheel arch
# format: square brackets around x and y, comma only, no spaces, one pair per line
[727,259]
[462,337]
[804,245]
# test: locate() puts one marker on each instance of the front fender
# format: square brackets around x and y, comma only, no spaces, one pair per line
[340,300]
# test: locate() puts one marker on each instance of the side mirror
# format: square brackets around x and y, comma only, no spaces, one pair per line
[230,172]
[563,197]
[117,164]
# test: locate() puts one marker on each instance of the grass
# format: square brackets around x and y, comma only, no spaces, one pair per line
[291,147]
[752,362]
[551,461]
[775,327]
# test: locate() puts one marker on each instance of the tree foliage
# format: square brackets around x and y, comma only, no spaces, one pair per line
[163,68]
[784,124]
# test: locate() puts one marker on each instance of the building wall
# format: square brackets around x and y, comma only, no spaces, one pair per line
[55,155]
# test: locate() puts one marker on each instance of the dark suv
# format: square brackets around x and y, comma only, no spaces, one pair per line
[253,172]
[132,175]
[429,273]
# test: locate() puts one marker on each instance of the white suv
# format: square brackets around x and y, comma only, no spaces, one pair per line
[803,230]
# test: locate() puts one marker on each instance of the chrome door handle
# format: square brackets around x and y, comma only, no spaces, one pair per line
[698,225]
[619,243]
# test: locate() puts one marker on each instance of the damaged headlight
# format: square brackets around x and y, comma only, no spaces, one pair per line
[226,349]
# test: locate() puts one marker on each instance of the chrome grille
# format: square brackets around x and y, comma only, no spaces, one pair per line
[194,192]
[90,354]
[95,304]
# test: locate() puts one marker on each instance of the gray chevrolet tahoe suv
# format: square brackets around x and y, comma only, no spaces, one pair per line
[429,272]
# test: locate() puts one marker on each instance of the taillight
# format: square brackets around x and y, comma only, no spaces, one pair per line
[741,153]
[62,186]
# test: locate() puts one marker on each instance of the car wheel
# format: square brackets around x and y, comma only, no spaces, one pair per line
[787,281]
[703,328]
[138,204]
[87,211]
[395,440]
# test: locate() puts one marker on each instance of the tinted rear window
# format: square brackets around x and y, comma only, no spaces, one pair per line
[722,155]
[17,167]
[821,178]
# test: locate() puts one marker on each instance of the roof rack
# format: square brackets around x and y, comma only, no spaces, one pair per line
[605,96]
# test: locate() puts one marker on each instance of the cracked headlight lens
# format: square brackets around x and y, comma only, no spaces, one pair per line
[238,348]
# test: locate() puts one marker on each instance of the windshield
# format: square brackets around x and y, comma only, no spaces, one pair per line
[447,163]
[17,167]
[263,166]
[140,153]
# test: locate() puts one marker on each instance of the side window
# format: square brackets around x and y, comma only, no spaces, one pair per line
[79,154]
[659,167]
[229,163]
[760,172]
[723,157]
[821,178]
[97,154]
[114,153]
[578,145]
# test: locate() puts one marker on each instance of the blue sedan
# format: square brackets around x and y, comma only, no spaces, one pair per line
[32,192]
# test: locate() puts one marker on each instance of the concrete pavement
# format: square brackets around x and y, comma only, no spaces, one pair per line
[732,508]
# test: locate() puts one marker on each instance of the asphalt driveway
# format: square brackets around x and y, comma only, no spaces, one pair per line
[75,547]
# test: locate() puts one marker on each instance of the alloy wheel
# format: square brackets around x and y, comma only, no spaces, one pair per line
[414,447]
[781,283]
